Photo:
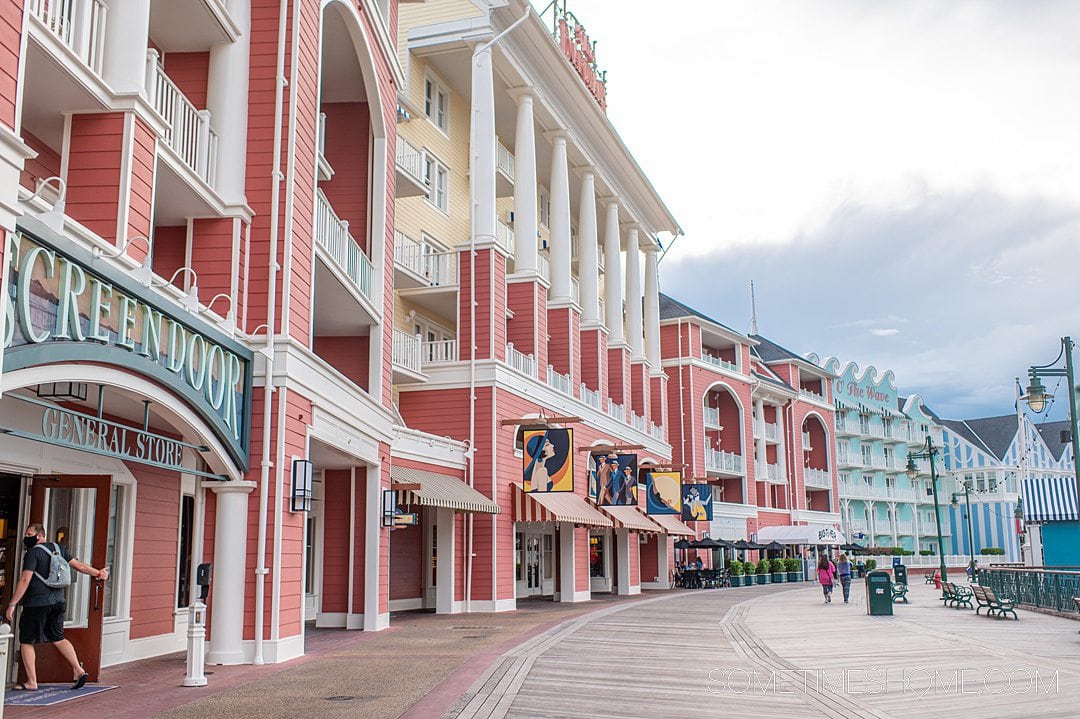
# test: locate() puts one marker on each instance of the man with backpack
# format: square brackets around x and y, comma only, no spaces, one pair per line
[46,573]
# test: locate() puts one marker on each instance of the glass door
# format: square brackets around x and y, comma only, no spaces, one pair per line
[75,512]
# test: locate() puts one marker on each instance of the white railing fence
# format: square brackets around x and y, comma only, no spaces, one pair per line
[425,260]
[591,397]
[410,159]
[78,24]
[504,161]
[559,381]
[504,235]
[817,477]
[187,128]
[616,410]
[720,461]
[332,233]
[720,362]
[521,362]
[406,350]
[438,351]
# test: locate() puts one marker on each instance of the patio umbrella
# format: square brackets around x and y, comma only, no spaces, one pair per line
[682,544]
[708,543]
[743,544]
[851,548]
[775,546]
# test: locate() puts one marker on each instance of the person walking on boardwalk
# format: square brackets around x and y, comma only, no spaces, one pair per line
[826,572]
[843,569]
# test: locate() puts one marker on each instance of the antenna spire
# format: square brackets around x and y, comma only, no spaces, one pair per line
[753,310]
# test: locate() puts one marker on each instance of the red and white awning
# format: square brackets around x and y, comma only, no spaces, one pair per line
[671,525]
[555,507]
[628,516]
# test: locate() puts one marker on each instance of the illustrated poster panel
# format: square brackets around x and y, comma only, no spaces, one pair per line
[547,461]
[615,477]
[697,502]
[663,493]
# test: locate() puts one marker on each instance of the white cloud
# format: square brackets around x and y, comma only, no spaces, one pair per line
[885,332]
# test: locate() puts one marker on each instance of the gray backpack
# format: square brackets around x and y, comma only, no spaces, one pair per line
[59,570]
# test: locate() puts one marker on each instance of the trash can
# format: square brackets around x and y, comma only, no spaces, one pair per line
[879,599]
[899,574]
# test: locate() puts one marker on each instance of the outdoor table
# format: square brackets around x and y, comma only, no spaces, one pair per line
[691,579]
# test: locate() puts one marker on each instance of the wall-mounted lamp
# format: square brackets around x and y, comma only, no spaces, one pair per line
[144,273]
[54,218]
[302,470]
[228,323]
[190,302]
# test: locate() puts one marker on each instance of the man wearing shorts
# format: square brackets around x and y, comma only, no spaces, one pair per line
[42,619]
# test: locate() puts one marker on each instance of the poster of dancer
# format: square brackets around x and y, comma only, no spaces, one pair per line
[697,502]
[663,493]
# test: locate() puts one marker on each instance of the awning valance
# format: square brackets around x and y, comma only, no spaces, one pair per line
[556,507]
[799,534]
[1049,499]
[630,517]
[440,490]
[671,525]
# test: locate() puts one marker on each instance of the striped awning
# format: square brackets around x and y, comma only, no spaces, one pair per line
[556,507]
[630,517]
[440,490]
[671,525]
[1049,499]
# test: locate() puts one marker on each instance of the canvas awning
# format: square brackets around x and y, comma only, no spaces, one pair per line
[1049,499]
[799,534]
[556,507]
[440,490]
[671,525]
[630,517]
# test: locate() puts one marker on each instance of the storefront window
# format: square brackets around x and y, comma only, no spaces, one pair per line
[309,556]
[549,556]
[70,521]
[519,565]
[187,527]
[109,597]
[596,556]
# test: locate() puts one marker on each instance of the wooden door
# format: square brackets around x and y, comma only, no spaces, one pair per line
[75,512]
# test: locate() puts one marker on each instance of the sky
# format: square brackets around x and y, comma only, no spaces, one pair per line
[901,180]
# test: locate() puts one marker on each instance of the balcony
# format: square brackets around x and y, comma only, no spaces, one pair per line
[79,25]
[504,235]
[187,129]
[720,362]
[591,398]
[811,395]
[343,251]
[407,351]
[845,426]
[656,431]
[817,478]
[616,410]
[929,529]
[772,474]
[859,525]
[806,441]
[712,417]
[771,432]
[844,457]
[905,526]
[639,422]
[560,382]
[504,171]
[191,25]
[724,462]
[875,430]
[526,364]
[438,352]
[326,172]
[409,162]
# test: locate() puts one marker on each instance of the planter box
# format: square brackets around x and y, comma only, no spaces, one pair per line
[737,581]
[794,576]
[762,578]
[778,577]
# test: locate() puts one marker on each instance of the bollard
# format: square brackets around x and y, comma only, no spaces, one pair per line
[5,635]
[196,646]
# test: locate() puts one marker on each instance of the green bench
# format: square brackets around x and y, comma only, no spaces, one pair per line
[955,595]
[995,605]
[899,593]
[929,578]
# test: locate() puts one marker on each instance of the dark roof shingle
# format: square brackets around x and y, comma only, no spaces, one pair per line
[1056,435]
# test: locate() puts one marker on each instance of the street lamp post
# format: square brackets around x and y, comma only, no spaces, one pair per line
[912,473]
[971,533]
[1037,396]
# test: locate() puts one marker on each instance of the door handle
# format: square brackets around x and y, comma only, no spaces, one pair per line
[98,589]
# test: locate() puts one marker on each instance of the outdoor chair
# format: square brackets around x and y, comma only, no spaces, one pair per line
[1000,606]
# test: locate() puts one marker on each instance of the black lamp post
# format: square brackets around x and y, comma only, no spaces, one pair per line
[971,533]
[1036,396]
[912,473]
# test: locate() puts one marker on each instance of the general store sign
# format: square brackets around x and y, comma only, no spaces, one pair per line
[63,306]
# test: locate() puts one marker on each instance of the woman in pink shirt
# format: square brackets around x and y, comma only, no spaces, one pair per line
[826,572]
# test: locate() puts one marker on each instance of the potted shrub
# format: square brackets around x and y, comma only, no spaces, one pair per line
[778,568]
[794,569]
[762,572]
[735,571]
[926,552]
[871,564]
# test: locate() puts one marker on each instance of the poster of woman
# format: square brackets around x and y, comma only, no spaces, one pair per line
[663,493]
[547,460]
[697,503]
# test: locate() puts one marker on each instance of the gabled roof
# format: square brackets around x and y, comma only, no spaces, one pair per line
[672,309]
[995,433]
[1051,433]
[773,380]
[960,427]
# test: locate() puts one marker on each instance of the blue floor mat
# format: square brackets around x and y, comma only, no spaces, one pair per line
[49,694]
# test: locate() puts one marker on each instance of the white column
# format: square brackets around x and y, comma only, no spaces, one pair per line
[916,528]
[482,148]
[652,307]
[622,556]
[781,450]
[634,335]
[227,101]
[662,568]
[761,461]
[567,585]
[613,287]
[525,197]
[444,569]
[588,251]
[373,532]
[560,220]
[229,573]
[127,36]
[871,514]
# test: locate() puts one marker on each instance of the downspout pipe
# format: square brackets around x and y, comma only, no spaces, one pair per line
[271,317]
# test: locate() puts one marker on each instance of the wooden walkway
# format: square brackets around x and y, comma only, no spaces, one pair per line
[779,651]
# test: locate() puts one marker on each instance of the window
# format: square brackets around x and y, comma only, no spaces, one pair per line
[867,454]
[864,424]
[844,479]
[890,483]
[310,557]
[888,456]
[544,208]
[187,528]
[437,178]
[115,510]
[437,103]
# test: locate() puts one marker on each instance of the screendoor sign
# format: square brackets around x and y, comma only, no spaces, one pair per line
[65,306]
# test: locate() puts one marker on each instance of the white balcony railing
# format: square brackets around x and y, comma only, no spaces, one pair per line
[591,397]
[817,477]
[504,235]
[438,351]
[772,472]
[187,129]
[720,362]
[504,161]
[410,159]
[843,455]
[844,425]
[859,525]
[638,422]
[407,350]
[543,266]
[616,410]
[905,526]
[656,431]
[521,362]
[332,233]
[772,431]
[806,440]
[719,461]
[78,24]
[712,417]
[811,394]
[559,381]
[424,259]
